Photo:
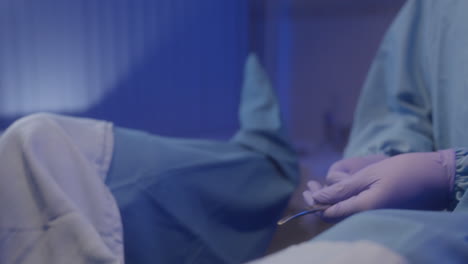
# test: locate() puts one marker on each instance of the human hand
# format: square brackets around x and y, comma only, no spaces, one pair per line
[341,170]
[346,167]
[407,181]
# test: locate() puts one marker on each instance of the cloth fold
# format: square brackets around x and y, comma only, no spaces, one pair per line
[54,203]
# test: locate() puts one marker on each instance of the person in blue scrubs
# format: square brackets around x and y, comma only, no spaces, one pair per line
[409,144]
[193,201]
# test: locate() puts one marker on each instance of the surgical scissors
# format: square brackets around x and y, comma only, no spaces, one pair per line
[311,210]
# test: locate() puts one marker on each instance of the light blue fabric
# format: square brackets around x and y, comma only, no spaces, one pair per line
[415,100]
[197,201]
[420,237]
[334,252]
[415,96]
[461,175]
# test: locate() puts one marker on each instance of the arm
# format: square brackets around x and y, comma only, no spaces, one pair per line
[393,115]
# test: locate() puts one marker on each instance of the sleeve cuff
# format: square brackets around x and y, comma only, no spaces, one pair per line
[461,176]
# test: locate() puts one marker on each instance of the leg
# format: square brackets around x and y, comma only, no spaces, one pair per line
[54,205]
[192,201]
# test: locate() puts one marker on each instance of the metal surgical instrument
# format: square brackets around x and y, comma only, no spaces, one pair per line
[311,210]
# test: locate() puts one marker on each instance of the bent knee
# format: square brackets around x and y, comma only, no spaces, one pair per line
[30,127]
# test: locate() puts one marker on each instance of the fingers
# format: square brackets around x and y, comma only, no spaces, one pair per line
[347,197]
[359,203]
[344,168]
[338,171]
[336,176]
[340,191]
[314,186]
[353,187]
[307,195]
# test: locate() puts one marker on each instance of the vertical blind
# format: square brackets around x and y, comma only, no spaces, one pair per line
[170,66]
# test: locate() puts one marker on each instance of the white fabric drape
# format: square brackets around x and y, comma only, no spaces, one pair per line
[54,206]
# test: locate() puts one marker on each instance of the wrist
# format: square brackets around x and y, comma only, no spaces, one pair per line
[460,184]
[447,159]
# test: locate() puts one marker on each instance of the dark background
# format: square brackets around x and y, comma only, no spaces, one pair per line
[174,67]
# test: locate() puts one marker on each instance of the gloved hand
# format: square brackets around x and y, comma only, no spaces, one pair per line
[341,170]
[346,167]
[407,181]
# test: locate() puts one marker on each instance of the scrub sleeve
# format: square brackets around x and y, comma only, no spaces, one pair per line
[413,102]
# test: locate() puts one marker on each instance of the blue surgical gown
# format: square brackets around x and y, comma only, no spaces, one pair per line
[200,201]
[415,99]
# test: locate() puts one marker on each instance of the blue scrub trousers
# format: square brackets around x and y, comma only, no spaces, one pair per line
[196,201]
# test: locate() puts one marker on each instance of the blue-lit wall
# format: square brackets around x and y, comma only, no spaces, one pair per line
[174,67]
[166,66]
[318,52]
